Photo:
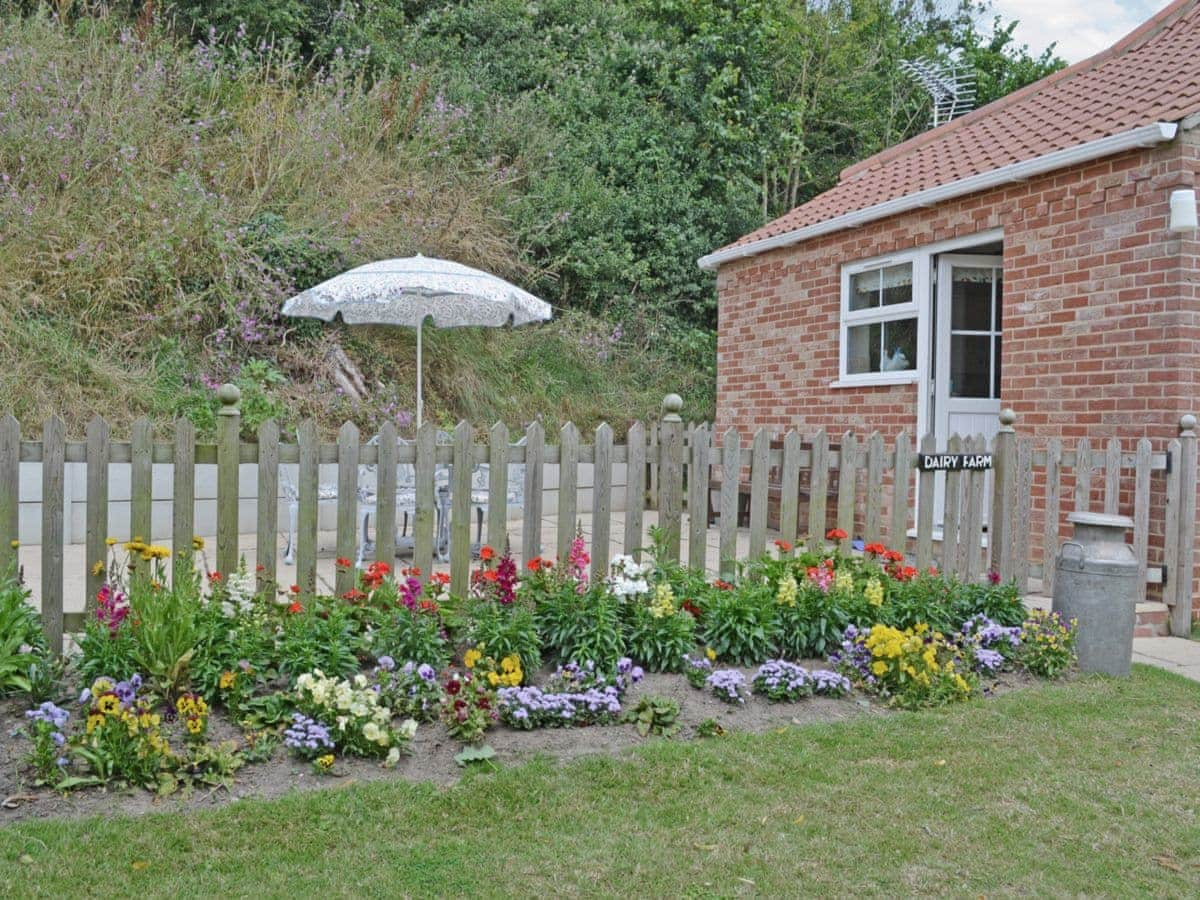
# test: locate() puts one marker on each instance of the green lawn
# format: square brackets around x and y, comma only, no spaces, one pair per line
[1088,788]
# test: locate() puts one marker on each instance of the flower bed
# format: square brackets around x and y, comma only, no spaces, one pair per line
[187,684]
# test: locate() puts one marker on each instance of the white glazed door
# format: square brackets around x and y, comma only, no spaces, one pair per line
[966,381]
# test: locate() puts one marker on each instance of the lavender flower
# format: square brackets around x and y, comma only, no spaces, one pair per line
[728,684]
[307,736]
[387,664]
[778,679]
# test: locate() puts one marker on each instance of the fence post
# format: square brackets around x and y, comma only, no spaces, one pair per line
[229,426]
[1000,537]
[1181,613]
[10,495]
[670,475]
[53,460]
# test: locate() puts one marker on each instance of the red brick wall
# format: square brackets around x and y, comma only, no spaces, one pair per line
[1101,311]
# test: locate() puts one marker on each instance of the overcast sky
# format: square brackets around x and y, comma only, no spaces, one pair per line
[1081,27]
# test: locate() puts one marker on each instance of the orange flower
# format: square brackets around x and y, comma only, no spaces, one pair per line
[342,563]
[722,585]
[428,606]
[260,568]
[874,549]
[535,564]
[486,553]
[440,578]
[836,534]
[784,546]
[490,575]
[411,572]
[933,570]
[295,607]
[893,555]
[354,594]
[295,589]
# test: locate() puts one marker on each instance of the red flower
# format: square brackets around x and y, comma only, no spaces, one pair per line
[428,606]
[722,585]
[784,546]
[353,595]
[343,563]
[214,576]
[893,556]
[690,606]
[460,704]
[411,572]
[836,534]
[933,570]
[535,564]
[490,575]
[440,578]
[908,573]
[295,589]
[482,702]
[260,568]
[875,549]
[295,607]
[486,553]
[453,686]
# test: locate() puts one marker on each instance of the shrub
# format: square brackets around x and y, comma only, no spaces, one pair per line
[741,625]
[415,635]
[1047,647]
[729,685]
[811,624]
[660,635]
[351,711]
[503,630]
[582,627]
[122,741]
[411,690]
[311,640]
[780,680]
[166,632]
[574,695]
[22,640]
[912,668]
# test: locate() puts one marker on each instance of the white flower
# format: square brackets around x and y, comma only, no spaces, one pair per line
[341,723]
[393,757]
[408,728]
[371,731]
[360,680]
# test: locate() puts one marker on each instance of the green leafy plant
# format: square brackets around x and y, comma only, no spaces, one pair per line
[104,651]
[710,728]
[318,639]
[164,628]
[810,626]
[481,756]
[22,640]
[741,625]
[408,635]
[582,627]
[658,642]
[212,764]
[654,715]
[1047,647]
[502,630]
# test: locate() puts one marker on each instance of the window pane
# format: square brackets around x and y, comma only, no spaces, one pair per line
[862,348]
[970,365]
[897,284]
[864,290]
[899,346]
[882,347]
[971,300]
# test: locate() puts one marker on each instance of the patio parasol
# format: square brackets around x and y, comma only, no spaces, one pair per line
[408,291]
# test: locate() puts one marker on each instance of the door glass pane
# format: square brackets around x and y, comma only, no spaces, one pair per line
[970,365]
[864,290]
[897,284]
[899,346]
[999,300]
[971,299]
[996,369]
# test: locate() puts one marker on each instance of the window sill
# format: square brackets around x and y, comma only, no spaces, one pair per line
[879,380]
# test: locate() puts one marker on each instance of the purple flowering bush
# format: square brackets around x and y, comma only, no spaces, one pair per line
[48,732]
[410,691]
[576,694]
[728,685]
[780,680]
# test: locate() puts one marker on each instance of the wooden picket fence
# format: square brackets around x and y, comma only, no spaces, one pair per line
[862,487]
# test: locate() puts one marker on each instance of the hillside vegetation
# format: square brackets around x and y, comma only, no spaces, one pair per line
[169,174]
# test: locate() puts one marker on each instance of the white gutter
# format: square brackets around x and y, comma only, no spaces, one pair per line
[1145,136]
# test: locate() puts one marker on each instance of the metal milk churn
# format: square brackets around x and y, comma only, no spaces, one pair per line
[1095,583]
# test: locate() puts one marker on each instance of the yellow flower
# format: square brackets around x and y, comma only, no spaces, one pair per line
[510,663]
[110,541]
[101,686]
[227,680]
[786,594]
[108,704]
[711,654]
[325,762]
[94,721]
[98,568]
[493,679]
[879,667]
[471,657]
[157,551]
[874,592]
[195,725]
[14,544]
[197,543]
[663,603]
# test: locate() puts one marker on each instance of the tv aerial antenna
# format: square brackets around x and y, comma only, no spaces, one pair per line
[951,89]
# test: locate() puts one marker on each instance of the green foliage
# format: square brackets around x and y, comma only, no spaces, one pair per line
[408,636]
[223,644]
[107,653]
[318,639]
[811,627]
[741,625]
[654,715]
[503,630]
[659,643]
[22,640]
[164,633]
[582,627]
[1047,647]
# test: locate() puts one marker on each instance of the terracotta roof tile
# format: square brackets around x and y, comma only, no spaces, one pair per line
[1151,75]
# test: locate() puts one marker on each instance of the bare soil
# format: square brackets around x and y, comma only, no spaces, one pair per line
[433,751]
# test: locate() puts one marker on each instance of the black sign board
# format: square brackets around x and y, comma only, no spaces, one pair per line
[953,462]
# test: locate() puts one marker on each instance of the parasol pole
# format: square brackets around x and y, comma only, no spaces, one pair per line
[419,324]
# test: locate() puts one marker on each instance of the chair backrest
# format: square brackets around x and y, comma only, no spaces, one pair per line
[368,473]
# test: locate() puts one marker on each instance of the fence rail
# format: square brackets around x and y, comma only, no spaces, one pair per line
[861,485]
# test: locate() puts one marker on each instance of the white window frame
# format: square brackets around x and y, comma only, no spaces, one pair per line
[914,309]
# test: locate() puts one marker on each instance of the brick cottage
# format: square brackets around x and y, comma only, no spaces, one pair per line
[1039,253]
